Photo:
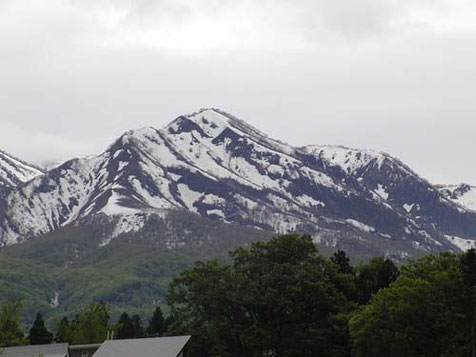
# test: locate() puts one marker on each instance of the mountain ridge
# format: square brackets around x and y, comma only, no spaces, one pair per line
[14,171]
[461,194]
[218,166]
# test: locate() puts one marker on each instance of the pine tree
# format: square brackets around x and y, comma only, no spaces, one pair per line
[124,326]
[138,330]
[157,323]
[342,261]
[39,334]
[377,274]
[129,327]
[63,334]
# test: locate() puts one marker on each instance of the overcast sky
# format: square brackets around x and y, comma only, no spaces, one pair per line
[391,75]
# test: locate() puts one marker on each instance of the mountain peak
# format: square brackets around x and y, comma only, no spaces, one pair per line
[218,166]
[213,121]
[140,132]
[132,138]
[207,121]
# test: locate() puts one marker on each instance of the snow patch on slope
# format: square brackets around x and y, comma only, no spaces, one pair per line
[463,195]
[350,160]
[114,206]
[361,226]
[381,192]
[461,243]
[14,171]
[189,197]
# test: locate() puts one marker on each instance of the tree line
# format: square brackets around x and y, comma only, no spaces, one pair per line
[91,325]
[283,298]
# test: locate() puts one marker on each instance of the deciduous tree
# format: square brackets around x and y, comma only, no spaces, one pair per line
[91,324]
[10,330]
[276,298]
[420,314]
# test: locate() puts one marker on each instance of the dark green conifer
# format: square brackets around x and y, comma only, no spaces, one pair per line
[157,323]
[39,334]
[128,327]
[63,334]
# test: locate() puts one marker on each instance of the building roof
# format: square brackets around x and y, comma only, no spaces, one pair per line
[84,347]
[143,347]
[54,350]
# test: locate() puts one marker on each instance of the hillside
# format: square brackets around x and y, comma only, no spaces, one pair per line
[115,227]
[63,270]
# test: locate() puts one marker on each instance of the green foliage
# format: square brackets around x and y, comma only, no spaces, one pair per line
[25,280]
[272,298]
[130,274]
[342,261]
[10,330]
[377,274]
[157,324]
[39,334]
[90,325]
[276,298]
[128,327]
[63,333]
[467,266]
[421,314]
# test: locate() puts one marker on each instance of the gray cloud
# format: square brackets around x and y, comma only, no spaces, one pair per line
[391,75]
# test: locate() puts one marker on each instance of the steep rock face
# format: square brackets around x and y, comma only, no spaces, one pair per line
[215,165]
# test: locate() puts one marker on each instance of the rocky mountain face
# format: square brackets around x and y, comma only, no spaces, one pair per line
[216,166]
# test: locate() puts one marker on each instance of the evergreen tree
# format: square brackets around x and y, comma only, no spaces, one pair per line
[129,327]
[341,259]
[39,334]
[138,330]
[377,274]
[169,322]
[157,323]
[124,327]
[63,334]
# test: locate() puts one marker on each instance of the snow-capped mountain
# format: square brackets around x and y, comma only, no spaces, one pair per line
[14,171]
[396,184]
[464,195]
[217,166]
